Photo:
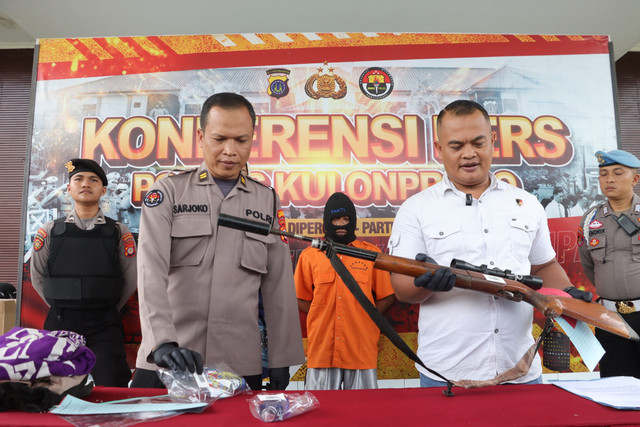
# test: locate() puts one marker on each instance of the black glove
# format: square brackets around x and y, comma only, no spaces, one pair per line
[578,294]
[169,355]
[278,378]
[442,280]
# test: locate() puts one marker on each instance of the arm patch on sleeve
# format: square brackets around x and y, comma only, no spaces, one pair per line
[282,223]
[38,239]
[129,245]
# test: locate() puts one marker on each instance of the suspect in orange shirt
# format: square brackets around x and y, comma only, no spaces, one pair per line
[342,348]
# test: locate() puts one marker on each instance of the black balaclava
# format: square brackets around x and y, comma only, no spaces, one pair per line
[339,204]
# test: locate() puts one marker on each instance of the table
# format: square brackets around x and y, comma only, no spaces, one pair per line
[504,405]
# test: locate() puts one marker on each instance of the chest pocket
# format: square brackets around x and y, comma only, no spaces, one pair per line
[445,240]
[255,252]
[635,247]
[323,287]
[522,231]
[190,235]
[361,276]
[597,247]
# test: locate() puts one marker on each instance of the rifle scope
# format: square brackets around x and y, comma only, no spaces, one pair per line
[534,282]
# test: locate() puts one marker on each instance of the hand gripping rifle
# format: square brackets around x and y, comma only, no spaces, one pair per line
[503,285]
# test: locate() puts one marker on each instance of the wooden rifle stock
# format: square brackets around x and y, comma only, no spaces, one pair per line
[548,305]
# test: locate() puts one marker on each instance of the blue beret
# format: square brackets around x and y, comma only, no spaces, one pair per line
[86,165]
[617,157]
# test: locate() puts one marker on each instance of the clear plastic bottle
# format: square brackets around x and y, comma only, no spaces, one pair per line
[270,407]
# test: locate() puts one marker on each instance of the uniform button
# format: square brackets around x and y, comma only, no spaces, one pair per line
[526,227]
[495,330]
[338,317]
[486,231]
[58,317]
[339,297]
[441,233]
[495,297]
[492,263]
[513,219]
[337,338]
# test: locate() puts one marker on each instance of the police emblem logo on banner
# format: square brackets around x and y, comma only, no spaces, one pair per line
[325,84]
[376,83]
[278,82]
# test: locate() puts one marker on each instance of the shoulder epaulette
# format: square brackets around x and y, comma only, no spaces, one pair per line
[270,188]
[181,171]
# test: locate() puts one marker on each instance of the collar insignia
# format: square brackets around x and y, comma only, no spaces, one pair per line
[203,176]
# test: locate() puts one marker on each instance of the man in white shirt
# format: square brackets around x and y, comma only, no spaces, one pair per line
[555,208]
[473,216]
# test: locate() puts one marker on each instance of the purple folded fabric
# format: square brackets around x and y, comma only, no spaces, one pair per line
[29,354]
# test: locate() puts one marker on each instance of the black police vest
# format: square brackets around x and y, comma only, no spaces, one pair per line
[83,268]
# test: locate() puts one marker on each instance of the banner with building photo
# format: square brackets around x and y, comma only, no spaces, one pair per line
[351,112]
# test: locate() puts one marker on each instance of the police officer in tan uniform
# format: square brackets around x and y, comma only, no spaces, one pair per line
[84,267]
[609,246]
[199,283]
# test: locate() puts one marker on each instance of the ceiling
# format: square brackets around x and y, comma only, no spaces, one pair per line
[22,22]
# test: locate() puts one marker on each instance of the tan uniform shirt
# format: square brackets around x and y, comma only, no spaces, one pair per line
[610,257]
[198,283]
[126,255]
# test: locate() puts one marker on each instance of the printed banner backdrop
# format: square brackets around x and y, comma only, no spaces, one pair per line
[349,112]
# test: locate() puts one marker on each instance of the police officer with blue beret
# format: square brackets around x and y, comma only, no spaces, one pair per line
[84,267]
[609,246]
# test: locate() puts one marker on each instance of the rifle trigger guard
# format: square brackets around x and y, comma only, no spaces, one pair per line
[510,295]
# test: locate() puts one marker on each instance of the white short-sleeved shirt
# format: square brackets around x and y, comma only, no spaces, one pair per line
[466,334]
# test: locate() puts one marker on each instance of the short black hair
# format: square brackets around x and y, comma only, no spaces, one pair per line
[462,107]
[227,101]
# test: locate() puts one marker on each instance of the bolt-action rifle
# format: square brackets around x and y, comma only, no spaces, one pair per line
[499,285]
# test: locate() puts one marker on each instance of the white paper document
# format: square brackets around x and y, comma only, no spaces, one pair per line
[584,341]
[617,392]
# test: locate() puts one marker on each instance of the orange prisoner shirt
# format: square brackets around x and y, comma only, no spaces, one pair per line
[340,333]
